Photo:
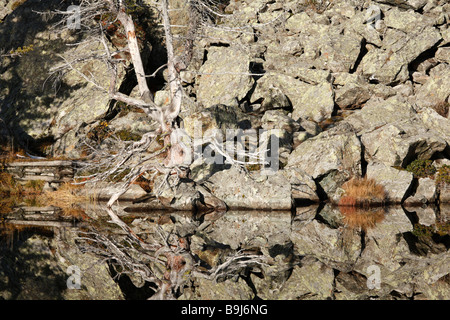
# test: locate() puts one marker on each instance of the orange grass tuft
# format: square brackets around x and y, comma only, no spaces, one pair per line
[362,192]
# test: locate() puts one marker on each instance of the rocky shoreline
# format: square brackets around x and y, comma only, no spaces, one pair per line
[346,96]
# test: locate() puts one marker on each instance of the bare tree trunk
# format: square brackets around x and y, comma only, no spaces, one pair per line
[133,46]
[173,66]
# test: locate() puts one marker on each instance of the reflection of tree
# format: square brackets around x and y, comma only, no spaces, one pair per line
[358,218]
[163,261]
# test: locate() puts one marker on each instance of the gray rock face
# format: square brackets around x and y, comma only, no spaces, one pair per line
[409,36]
[314,281]
[211,122]
[425,192]
[396,182]
[399,143]
[378,112]
[315,102]
[336,149]
[224,78]
[303,186]
[244,229]
[435,89]
[238,191]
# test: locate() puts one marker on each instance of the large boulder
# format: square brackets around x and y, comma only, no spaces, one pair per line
[311,281]
[314,102]
[224,78]
[396,182]
[255,191]
[331,246]
[336,149]
[436,89]
[410,35]
[246,229]
[397,144]
[378,112]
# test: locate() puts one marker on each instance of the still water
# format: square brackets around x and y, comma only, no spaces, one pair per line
[316,252]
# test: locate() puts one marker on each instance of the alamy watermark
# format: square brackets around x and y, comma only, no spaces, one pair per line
[230,146]
[374,280]
[74,19]
[74,281]
[373,18]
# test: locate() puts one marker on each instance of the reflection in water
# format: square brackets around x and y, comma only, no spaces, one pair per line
[363,219]
[130,254]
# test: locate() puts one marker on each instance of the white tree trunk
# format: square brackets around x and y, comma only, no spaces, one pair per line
[133,46]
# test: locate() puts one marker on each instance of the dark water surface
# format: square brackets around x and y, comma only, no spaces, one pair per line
[315,252]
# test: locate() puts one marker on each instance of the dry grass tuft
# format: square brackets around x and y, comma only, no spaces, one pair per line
[362,192]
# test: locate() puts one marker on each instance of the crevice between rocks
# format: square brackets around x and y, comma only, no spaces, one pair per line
[363,51]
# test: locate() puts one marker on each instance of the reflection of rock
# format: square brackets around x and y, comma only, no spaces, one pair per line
[311,281]
[384,244]
[328,245]
[246,228]
[226,290]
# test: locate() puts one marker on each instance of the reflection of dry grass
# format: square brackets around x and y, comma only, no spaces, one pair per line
[362,192]
[364,219]
[66,197]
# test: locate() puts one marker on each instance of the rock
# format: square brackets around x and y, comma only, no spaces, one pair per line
[405,4]
[247,229]
[444,194]
[225,290]
[443,55]
[278,142]
[312,281]
[36,105]
[315,102]
[224,77]
[384,245]
[211,122]
[397,144]
[303,186]
[239,191]
[338,51]
[427,216]
[351,286]
[435,122]
[335,149]
[395,182]
[424,194]
[133,124]
[187,196]
[276,119]
[378,112]
[96,280]
[436,88]
[305,214]
[406,20]
[330,246]
[389,65]
[353,91]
